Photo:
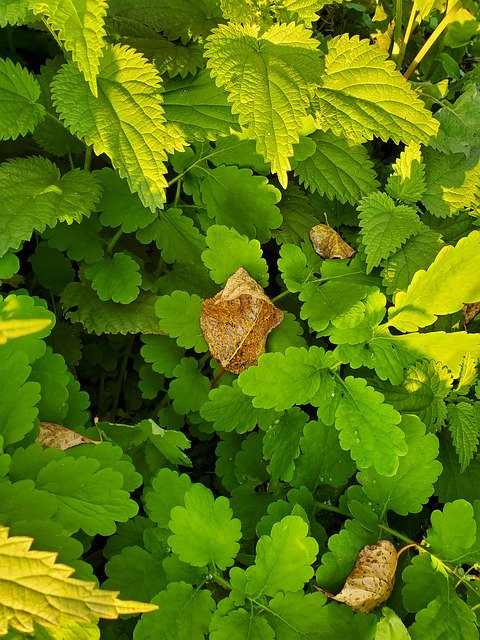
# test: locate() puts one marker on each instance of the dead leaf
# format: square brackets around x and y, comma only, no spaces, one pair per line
[470,311]
[58,437]
[328,243]
[371,580]
[236,322]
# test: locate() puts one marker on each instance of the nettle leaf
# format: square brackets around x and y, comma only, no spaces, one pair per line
[34,196]
[281,443]
[254,70]
[298,216]
[369,427]
[81,304]
[20,110]
[453,533]
[407,182]
[115,278]
[227,250]
[385,226]
[322,460]
[448,283]
[281,380]
[179,316]
[445,617]
[162,352]
[237,198]
[198,107]
[204,531]
[459,123]
[175,234]
[363,96]
[464,426]
[80,28]
[412,485]
[128,91]
[283,560]
[15,12]
[189,388]
[339,168]
[451,181]
[183,611]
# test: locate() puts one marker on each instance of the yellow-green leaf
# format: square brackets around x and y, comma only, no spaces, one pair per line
[10,329]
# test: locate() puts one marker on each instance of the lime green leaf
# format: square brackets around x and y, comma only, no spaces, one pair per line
[138,562]
[81,241]
[241,625]
[204,531]
[336,302]
[189,388]
[227,251]
[293,267]
[356,325]
[451,181]
[168,442]
[464,425]
[339,168]
[168,491]
[296,615]
[238,150]
[412,485]
[449,282]
[283,560]
[281,380]
[34,196]
[179,316]
[128,90]
[445,617]
[289,333]
[453,533]
[119,206]
[15,12]
[423,582]
[198,108]
[459,123]
[18,397]
[362,96]
[298,10]
[176,235]
[237,198]
[281,443]
[10,329]
[20,110]
[80,27]
[298,216]
[115,278]
[81,304]
[162,352]
[322,460]
[15,308]
[9,266]
[417,252]
[254,70]
[47,592]
[369,427]
[183,612]
[390,627]
[407,182]
[385,226]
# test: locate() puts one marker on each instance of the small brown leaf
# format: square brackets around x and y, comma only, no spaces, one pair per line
[371,580]
[470,311]
[236,322]
[58,437]
[328,243]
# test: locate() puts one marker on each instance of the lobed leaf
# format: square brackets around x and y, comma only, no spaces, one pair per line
[179,316]
[445,617]
[407,182]
[281,443]
[115,278]
[189,388]
[20,110]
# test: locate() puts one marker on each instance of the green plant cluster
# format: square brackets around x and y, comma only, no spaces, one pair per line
[149,150]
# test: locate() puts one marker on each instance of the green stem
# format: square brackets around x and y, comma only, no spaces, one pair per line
[325,506]
[121,376]
[177,193]
[281,295]
[412,23]
[397,32]
[396,534]
[114,241]
[88,158]
[220,580]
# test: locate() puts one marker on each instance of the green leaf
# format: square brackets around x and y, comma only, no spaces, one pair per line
[453,533]
[168,491]
[162,352]
[339,168]
[369,427]
[407,182]
[34,196]
[293,267]
[448,283]
[168,442]
[254,70]
[298,216]
[283,560]
[128,90]
[53,270]
[183,612]
[189,388]
[385,226]
[20,110]
[204,531]
[15,12]
[453,484]
[296,615]
[237,198]
[149,577]
[81,304]
[322,460]
[50,371]
[423,582]
[80,27]
[459,123]
[281,380]
[390,627]
[445,617]
[464,426]
[451,181]
[227,251]
[198,108]
[289,333]
[281,443]
[241,625]
[179,316]
[363,96]
[81,241]
[115,278]
[336,302]
[412,485]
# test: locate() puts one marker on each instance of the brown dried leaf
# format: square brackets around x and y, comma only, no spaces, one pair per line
[328,243]
[371,580]
[58,437]
[470,311]
[236,322]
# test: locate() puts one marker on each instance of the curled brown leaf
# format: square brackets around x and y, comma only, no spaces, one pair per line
[58,437]
[328,243]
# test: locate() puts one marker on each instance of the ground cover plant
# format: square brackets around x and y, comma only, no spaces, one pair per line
[239,266]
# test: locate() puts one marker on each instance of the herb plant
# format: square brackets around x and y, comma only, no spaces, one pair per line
[149,152]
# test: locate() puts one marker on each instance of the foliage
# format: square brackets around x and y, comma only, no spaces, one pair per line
[238,416]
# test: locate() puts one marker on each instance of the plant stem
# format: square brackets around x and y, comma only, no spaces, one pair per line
[397,32]
[219,579]
[113,241]
[325,506]
[88,158]
[398,535]
[121,376]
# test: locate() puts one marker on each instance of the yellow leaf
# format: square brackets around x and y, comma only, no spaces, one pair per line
[17,328]
[36,590]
